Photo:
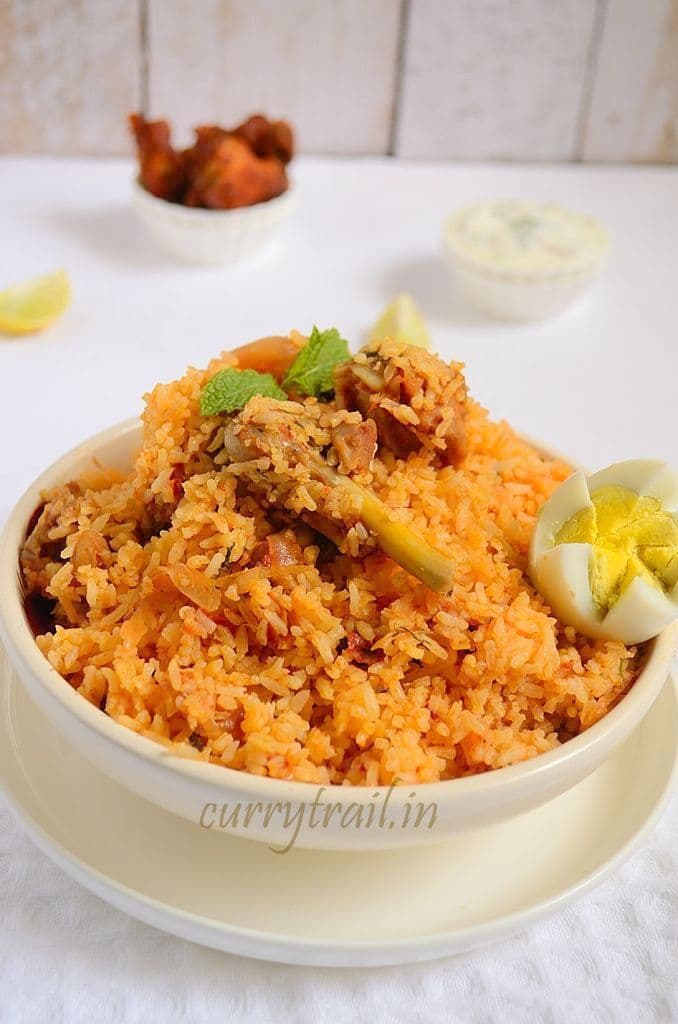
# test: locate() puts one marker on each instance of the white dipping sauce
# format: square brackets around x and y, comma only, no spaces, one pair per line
[515,236]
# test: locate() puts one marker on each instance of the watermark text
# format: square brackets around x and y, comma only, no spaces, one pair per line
[291,817]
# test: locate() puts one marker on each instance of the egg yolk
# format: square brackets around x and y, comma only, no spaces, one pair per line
[631,535]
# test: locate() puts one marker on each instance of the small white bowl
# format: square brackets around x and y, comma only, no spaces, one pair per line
[515,281]
[211,237]
[521,297]
[187,787]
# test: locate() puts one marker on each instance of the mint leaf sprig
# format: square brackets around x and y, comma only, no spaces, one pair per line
[230,390]
[312,372]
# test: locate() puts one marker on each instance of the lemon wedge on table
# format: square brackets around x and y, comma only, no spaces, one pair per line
[32,306]
[402,321]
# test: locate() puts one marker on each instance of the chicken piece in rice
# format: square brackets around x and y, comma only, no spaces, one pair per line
[291,455]
[416,400]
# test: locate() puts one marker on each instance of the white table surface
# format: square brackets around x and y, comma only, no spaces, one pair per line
[599,383]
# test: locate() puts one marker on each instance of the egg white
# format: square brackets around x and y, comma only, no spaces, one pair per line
[647,477]
[572,496]
[560,572]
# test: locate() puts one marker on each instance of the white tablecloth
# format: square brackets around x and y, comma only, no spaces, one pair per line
[600,384]
[68,957]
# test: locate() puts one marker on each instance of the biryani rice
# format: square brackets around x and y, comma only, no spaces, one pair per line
[336,669]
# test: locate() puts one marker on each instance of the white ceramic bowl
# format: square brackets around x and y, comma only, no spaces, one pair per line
[199,791]
[516,277]
[211,237]
[523,297]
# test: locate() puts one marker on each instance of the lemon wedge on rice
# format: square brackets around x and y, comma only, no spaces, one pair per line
[34,305]
[402,321]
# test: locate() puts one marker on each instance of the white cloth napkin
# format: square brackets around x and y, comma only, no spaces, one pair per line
[68,957]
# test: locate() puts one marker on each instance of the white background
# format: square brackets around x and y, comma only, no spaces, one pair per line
[599,383]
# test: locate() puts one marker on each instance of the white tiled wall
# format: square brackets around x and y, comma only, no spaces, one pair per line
[634,109]
[328,66]
[69,72]
[494,80]
[434,79]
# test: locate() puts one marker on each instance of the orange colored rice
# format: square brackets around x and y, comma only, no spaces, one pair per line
[339,671]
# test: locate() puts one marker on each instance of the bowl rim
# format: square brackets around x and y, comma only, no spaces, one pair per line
[200,213]
[26,657]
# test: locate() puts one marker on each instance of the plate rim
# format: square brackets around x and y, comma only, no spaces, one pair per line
[318,951]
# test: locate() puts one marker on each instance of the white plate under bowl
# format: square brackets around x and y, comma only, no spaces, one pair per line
[320,908]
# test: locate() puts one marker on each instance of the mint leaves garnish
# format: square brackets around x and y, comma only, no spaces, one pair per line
[312,372]
[230,390]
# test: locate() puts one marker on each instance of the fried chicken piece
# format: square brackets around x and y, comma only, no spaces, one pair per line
[207,138]
[222,170]
[161,168]
[415,399]
[224,173]
[267,138]
[277,449]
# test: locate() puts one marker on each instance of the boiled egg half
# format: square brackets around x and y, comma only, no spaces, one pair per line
[604,552]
